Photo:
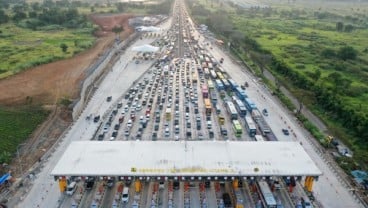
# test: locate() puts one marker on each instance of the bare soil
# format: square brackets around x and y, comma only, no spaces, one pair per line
[47,84]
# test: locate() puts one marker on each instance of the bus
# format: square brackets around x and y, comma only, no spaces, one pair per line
[168,114]
[204,65]
[213,74]
[240,93]
[219,75]
[221,119]
[237,128]
[231,110]
[206,59]
[232,84]
[213,97]
[210,66]
[222,70]
[249,104]
[250,126]
[214,62]
[239,105]
[194,78]
[210,84]
[207,104]
[204,91]
[219,85]
[226,84]
[267,197]
[206,73]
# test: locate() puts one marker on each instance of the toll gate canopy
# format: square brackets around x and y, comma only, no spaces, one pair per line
[191,158]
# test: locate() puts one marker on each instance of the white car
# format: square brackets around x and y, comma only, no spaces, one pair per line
[130,123]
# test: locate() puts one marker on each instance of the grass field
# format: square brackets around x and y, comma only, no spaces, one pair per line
[22,48]
[300,43]
[16,126]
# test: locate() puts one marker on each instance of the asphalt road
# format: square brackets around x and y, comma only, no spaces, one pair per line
[126,74]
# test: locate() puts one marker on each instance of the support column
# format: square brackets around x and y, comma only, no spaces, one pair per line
[62,184]
[138,186]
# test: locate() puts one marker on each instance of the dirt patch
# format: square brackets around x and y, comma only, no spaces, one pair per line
[46,84]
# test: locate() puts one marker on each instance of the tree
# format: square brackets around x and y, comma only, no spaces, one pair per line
[4,18]
[339,26]
[328,53]
[347,52]
[120,7]
[349,28]
[64,47]
[317,74]
[19,15]
[117,29]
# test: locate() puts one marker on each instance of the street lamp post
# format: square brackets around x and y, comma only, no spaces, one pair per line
[19,159]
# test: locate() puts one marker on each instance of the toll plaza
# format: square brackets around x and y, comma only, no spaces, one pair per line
[186,160]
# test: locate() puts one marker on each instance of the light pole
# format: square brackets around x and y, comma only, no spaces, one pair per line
[19,159]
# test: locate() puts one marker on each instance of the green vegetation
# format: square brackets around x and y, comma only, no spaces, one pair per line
[16,126]
[39,33]
[320,54]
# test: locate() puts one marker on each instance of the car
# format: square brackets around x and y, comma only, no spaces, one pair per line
[110,182]
[114,133]
[176,185]
[89,183]
[117,126]
[286,132]
[227,199]
[105,129]
[96,119]
[161,185]
[100,137]
[130,123]
[70,189]
[126,132]
[200,136]
[167,132]
[211,133]
[125,195]
[265,112]
[207,184]
[108,99]
[154,136]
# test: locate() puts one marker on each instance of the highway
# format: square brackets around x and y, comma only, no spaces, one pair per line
[174,109]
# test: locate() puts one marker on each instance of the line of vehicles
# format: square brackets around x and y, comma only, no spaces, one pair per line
[191,98]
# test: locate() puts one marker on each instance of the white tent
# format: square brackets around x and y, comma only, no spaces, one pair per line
[148,29]
[145,48]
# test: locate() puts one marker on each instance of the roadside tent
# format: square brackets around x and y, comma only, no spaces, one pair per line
[145,48]
[148,29]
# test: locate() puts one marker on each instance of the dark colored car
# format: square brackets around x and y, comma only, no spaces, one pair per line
[227,199]
[285,131]
[176,185]
[89,183]
[96,119]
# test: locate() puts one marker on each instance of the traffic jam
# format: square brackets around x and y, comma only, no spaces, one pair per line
[185,99]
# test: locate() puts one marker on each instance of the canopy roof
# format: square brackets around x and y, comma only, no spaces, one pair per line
[195,158]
